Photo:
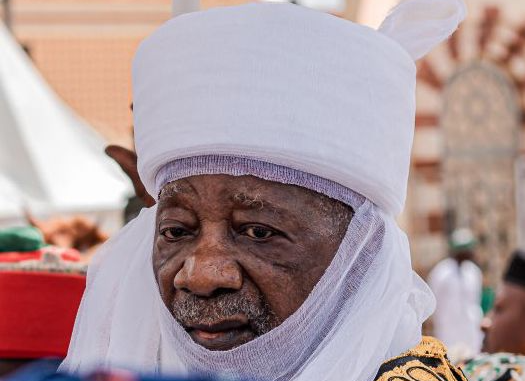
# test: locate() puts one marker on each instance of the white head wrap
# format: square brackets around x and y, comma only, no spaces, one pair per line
[292,95]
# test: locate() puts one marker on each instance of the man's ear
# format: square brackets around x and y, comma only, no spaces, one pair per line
[127,159]
[31,220]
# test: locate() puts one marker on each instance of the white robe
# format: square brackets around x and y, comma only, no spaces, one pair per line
[457,288]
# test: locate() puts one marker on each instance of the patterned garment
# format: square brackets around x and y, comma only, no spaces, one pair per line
[426,362]
[495,367]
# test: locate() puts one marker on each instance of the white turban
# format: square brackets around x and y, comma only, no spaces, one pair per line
[290,86]
[287,94]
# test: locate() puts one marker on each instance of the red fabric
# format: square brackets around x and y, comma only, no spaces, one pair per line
[37,313]
[71,255]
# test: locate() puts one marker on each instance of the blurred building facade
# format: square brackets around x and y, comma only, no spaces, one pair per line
[469,137]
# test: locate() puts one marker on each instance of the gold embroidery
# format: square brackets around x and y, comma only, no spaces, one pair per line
[426,362]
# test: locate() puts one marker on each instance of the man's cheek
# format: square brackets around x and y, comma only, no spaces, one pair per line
[165,276]
[284,297]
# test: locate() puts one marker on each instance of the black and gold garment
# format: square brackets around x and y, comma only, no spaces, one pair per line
[426,362]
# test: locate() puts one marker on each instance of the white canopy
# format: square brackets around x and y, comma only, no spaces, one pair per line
[51,161]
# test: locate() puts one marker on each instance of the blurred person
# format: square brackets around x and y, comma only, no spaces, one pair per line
[40,291]
[275,141]
[504,344]
[504,327]
[457,285]
[76,232]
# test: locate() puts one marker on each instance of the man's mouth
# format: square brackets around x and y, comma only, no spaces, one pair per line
[222,335]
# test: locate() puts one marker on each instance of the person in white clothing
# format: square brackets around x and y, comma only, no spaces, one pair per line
[457,285]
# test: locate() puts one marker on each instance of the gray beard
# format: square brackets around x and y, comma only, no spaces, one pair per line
[197,310]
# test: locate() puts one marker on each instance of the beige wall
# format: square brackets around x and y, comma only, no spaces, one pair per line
[373,12]
[205,4]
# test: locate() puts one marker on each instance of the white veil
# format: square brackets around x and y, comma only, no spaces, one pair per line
[368,306]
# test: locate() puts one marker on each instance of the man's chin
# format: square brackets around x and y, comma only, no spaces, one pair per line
[222,340]
[487,347]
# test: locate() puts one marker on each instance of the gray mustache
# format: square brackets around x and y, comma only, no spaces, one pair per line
[192,309]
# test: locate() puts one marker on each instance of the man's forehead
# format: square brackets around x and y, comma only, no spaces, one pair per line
[233,191]
[237,188]
[244,191]
[242,184]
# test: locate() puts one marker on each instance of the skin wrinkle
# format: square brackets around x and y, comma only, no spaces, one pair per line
[246,200]
[333,212]
[169,190]
[216,270]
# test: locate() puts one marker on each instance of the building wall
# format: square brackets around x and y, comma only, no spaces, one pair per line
[84,48]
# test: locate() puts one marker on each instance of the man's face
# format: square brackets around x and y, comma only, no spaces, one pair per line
[505,327]
[236,256]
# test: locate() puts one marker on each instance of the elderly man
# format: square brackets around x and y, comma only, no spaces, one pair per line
[276,141]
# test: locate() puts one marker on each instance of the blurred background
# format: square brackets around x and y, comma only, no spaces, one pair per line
[65,93]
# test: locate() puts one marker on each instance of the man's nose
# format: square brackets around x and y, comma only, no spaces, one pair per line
[206,272]
[486,323]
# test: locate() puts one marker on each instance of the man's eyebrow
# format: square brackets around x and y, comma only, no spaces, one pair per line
[256,202]
[171,190]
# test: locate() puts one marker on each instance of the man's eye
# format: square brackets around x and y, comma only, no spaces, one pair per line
[175,233]
[258,232]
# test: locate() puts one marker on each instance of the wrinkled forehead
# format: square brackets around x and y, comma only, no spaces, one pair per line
[245,169]
[244,192]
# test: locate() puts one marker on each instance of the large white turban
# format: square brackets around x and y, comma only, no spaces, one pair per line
[290,86]
[292,95]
